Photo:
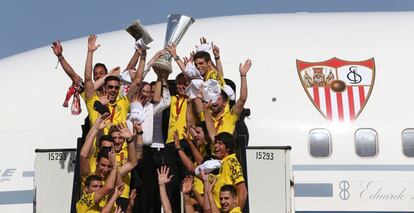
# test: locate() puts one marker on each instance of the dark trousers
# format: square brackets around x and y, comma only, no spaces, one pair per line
[173,161]
[145,180]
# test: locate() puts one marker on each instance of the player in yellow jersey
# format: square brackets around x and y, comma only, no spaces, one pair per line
[228,198]
[94,194]
[230,172]
[218,119]
[102,167]
[118,106]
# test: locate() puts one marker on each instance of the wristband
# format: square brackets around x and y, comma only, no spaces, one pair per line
[140,132]
[176,58]
[129,140]
[242,75]
[179,148]
[217,58]
[60,58]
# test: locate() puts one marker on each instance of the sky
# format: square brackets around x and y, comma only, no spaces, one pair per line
[30,24]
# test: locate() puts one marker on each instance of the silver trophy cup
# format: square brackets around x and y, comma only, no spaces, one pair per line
[177,25]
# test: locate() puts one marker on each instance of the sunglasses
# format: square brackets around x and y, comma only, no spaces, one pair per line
[113,87]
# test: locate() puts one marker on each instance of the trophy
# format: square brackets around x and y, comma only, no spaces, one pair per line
[177,25]
[142,37]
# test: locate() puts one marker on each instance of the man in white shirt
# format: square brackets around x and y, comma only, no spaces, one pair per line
[147,105]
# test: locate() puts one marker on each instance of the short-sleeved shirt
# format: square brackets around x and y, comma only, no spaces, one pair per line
[215,75]
[102,202]
[118,110]
[226,122]
[121,158]
[230,174]
[178,111]
[235,210]
[86,204]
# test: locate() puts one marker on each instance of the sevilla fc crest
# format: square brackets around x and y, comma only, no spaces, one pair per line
[339,89]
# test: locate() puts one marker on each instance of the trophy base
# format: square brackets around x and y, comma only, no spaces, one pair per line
[163,66]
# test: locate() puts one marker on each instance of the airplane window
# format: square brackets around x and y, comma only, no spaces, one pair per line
[407,137]
[320,143]
[366,142]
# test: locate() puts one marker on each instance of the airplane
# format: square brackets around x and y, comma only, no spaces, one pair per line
[334,86]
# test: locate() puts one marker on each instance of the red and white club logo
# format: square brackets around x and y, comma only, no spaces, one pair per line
[339,89]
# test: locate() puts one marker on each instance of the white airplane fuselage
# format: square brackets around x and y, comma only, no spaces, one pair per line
[282,112]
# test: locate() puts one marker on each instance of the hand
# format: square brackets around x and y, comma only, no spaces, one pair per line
[118,209]
[213,182]
[172,49]
[123,129]
[186,60]
[163,175]
[142,53]
[102,121]
[186,135]
[119,190]
[104,97]
[176,140]
[192,131]
[216,50]
[208,184]
[187,184]
[91,43]
[160,53]
[244,68]
[115,71]
[203,40]
[137,127]
[57,48]
[192,53]
[200,92]
[112,157]
[207,105]
[132,198]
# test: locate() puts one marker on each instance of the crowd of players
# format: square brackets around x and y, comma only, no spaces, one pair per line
[128,164]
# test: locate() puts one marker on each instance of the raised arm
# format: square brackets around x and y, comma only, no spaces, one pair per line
[131,201]
[166,97]
[158,87]
[243,68]
[216,53]
[87,148]
[133,61]
[101,81]
[110,181]
[162,180]
[196,154]
[89,87]
[189,116]
[209,203]
[211,129]
[138,140]
[139,75]
[186,189]
[58,51]
[172,49]
[132,159]
[198,106]
[117,193]
[188,164]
